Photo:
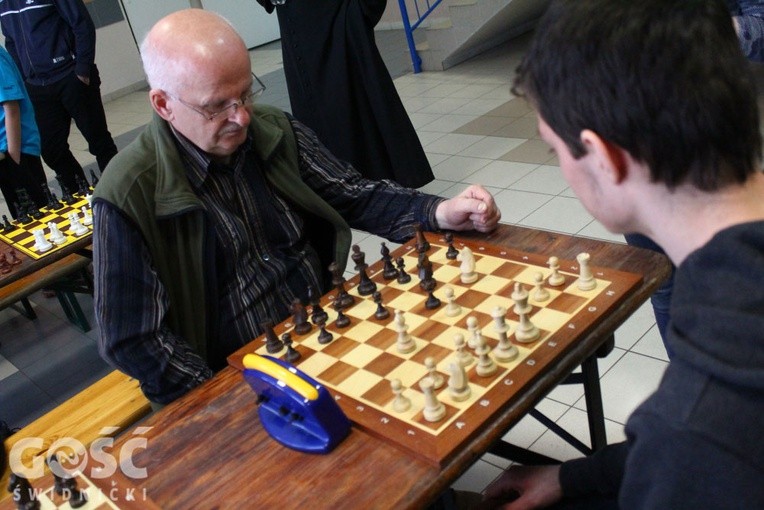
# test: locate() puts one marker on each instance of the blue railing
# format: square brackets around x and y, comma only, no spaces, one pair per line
[416,60]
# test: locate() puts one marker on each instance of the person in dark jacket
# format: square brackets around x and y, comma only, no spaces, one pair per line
[340,87]
[53,44]
[652,110]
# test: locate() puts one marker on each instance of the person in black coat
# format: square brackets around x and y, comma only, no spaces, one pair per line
[339,86]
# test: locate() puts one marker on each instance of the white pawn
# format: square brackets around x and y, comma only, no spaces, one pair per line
[458,387]
[555,279]
[526,331]
[467,267]
[56,237]
[462,356]
[485,365]
[405,343]
[437,379]
[539,292]
[434,410]
[472,327]
[586,279]
[40,243]
[452,308]
[504,350]
[87,218]
[402,403]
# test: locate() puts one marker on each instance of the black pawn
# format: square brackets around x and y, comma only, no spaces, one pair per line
[272,342]
[452,252]
[7,225]
[403,276]
[432,302]
[382,313]
[66,485]
[292,354]
[342,321]
[324,337]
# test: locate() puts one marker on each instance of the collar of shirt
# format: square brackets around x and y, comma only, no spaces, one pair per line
[199,163]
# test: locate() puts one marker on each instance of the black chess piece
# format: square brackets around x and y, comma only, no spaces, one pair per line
[23,216]
[426,281]
[5,268]
[292,354]
[15,260]
[365,285]
[342,321]
[388,270]
[342,299]
[65,485]
[272,342]
[82,185]
[382,313]
[422,245]
[66,194]
[403,276]
[7,225]
[22,493]
[324,337]
[93,178]
[300,315]
[432,301]
[318,313]
[452,252]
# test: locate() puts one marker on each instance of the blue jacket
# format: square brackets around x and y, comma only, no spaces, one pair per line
[48,39]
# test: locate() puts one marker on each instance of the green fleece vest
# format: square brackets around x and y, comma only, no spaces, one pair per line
[147,182]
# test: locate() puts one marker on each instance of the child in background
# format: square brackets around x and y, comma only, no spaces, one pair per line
[20,164]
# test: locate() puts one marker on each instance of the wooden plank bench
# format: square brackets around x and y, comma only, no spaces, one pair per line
[114,402]
[50,277]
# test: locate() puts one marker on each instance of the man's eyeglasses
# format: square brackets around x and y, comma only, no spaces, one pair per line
[256,90]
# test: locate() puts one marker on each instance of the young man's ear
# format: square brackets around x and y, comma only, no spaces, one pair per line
[608,156]
[158,100]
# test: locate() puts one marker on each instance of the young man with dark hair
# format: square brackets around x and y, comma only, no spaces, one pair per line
[653,113]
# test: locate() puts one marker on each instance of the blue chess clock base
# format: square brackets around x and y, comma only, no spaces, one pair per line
[295,409]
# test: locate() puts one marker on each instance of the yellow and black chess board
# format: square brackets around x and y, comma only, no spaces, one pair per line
[360,362]
[21,237]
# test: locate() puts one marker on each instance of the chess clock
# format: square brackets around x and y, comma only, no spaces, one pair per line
[294,409]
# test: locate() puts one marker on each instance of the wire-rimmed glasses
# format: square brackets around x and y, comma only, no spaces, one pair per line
[256,90]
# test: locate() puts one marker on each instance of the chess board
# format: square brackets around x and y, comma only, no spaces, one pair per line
[103,496]
[359,364]
[21,237]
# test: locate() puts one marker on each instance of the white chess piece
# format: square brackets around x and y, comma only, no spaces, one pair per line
[555,279]
[452,308]
[434,410]
[87,218]
[467,267]
[402,403]
[432,370]
[462,356]
[485,365]
[75,227]
[526,331]
[405,343]
[41,245]
[472,327]
[539,292]
[458,386]
[56,236]
[504,350]
[586,279]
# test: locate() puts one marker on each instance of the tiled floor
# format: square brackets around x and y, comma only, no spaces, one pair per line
[473,131]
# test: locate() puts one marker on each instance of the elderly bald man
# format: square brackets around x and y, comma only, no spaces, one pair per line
[222,213]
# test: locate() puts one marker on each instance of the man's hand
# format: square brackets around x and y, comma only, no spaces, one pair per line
[525,488]
[472,209]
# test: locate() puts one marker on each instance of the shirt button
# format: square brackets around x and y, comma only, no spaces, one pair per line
[266,257]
